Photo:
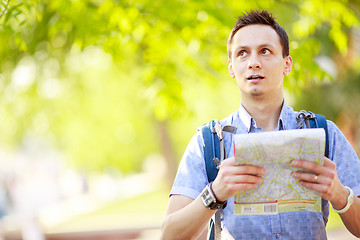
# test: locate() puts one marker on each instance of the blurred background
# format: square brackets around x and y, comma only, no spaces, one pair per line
[99,98]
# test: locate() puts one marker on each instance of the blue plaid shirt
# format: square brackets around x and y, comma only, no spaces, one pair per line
[191,180]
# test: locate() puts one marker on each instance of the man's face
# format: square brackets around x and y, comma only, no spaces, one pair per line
[257,62]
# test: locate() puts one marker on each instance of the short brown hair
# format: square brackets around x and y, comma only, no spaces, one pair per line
[260,17]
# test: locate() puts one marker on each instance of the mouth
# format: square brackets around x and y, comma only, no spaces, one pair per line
[255,77]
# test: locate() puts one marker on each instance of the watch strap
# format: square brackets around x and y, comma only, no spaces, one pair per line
[214,204]
[221,204]
[350,201]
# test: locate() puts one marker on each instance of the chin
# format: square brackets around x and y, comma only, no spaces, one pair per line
[256,93]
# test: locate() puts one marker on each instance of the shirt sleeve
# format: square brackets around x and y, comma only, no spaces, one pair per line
[346,159]
[191,177]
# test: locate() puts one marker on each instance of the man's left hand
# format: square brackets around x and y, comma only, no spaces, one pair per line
[323,179]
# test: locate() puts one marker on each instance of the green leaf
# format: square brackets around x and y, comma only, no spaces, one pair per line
[10,14]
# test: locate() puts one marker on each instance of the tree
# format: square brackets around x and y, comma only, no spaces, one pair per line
[110,82]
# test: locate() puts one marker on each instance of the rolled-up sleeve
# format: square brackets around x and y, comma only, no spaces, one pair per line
[191,177]
[346,159]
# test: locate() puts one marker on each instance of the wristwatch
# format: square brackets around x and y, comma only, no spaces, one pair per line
[209,199]
[350,201]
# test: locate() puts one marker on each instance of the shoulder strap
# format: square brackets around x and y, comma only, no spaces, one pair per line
[211,149]
[321,123]
[211,152]
[313,120]
[214,153]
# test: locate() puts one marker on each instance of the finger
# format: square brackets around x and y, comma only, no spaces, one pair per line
[251,179]
[249,170]
[245,186]
[314,186]
[310,166]
[235,188]
[244,168]
[308,177]
[328,163]
[227,169]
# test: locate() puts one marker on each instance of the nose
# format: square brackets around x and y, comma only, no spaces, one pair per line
[254,62]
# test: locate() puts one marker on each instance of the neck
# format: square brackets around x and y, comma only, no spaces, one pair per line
[265,113]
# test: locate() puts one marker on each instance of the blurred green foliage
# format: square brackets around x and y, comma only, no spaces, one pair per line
[99,79]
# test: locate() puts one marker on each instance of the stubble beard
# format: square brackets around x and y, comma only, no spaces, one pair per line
[256,93]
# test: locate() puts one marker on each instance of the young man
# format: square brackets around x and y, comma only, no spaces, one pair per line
[259,60]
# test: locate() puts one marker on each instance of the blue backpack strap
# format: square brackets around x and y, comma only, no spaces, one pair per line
[211,230]
[321,123]
[211,148]
[313,120]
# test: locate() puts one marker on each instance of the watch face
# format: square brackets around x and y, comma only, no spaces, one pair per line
[207,197]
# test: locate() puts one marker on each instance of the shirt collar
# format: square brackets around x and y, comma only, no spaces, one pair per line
[283,117]
[249,122]
[246,119]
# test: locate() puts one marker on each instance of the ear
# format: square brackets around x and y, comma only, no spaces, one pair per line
[288,65]
[231,72]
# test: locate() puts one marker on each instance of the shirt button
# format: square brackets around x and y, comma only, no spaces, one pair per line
[277,235]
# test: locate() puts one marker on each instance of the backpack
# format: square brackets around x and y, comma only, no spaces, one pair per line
[214,153]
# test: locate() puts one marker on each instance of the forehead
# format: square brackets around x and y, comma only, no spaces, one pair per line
[255,35]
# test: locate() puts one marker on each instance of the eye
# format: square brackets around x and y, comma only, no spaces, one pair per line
[242,53]
[265,51]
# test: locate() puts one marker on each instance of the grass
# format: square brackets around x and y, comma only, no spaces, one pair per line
[149,202]
[143,211]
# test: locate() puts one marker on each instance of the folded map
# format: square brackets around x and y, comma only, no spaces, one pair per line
[274,151]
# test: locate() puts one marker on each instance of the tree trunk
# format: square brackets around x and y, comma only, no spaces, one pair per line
[168,151]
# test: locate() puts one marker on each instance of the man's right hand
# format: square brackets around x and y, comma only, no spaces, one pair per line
[234,178]
[188,219]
